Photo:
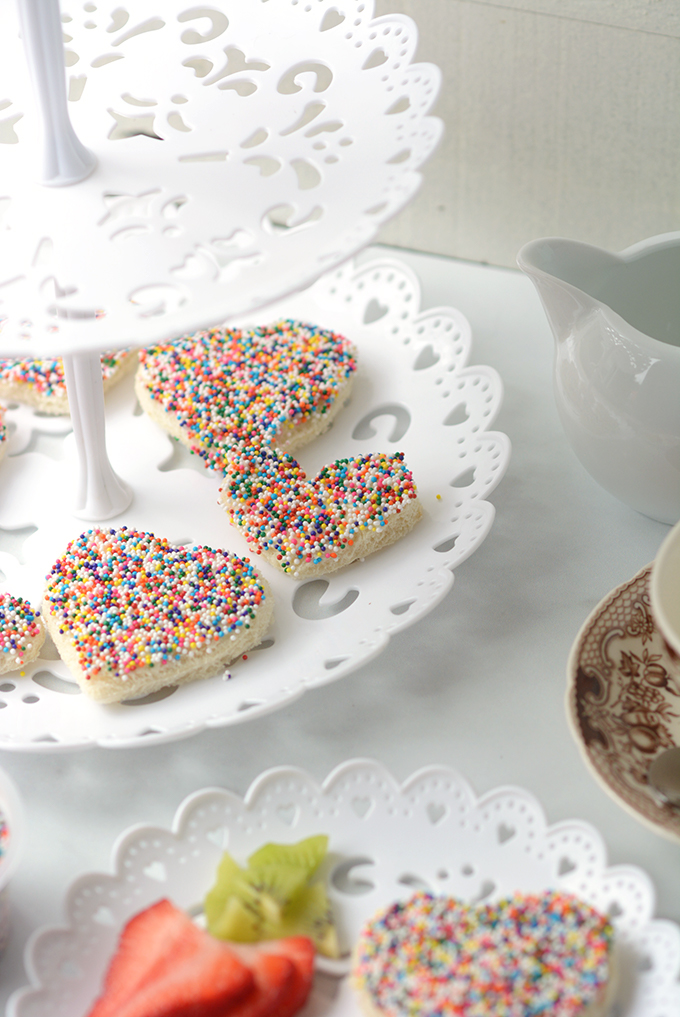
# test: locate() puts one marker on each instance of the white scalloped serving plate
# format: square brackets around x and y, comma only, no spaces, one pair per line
[412,392]
[384,840]
[243,149]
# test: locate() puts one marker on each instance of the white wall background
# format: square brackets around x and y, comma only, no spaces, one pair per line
[562,118]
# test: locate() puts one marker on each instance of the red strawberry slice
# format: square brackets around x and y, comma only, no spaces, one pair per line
[144,947]
[301,951]
[207,985]
[165,966]
[275,984]
[296,950]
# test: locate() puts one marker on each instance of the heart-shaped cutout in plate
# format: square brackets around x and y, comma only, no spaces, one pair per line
[103,916]
[565,866]
[219,836]
[505,833]
[436,812]
[157,871]
[362,806]
[288,813]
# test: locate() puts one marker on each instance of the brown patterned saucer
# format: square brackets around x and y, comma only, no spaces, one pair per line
[623,700]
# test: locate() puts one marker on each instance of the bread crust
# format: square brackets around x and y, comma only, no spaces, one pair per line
[365,542]
[22,633]
[290,437]
[112,687]
[55,402]
[528,953]
[131,614]
[281,385]
[598,1008]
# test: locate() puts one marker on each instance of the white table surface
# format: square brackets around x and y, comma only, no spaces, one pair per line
[479,684]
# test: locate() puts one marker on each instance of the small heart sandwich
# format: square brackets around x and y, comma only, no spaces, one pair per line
[282,384]
[42,383]
[527,955]
[310,527]
[131,613]
[22,633]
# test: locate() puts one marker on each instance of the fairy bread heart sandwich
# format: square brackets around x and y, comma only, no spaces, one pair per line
[529,955]
[131,613]
[281,385]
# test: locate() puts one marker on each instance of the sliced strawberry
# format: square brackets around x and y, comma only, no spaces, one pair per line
[297,950]
[146,943]
[275,981]
[300,950]
[211,984]
[157,945]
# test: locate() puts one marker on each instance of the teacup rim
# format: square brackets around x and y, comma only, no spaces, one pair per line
[667,559]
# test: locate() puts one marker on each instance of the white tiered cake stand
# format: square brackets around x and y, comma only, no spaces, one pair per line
[240,152]
[230,155]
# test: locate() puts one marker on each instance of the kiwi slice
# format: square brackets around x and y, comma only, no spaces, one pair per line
[216,899]
[307,855]
[273,897]
[309,914]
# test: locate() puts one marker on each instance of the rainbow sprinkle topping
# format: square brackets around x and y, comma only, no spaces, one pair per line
[19,626]
[4,834]
[130,600]
[528,955]
[226,386]
[305,522]
[46,377]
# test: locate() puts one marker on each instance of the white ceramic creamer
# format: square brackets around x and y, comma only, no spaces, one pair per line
[616,321]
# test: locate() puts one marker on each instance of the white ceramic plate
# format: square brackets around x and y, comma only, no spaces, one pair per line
[623,700]
[243,149]
[385,839]
[413,392]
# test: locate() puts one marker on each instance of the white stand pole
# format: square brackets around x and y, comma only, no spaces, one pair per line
[65,159]
[101,494]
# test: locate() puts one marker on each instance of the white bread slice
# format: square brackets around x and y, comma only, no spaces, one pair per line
[308,528]
[42,385]
[547,952]
[22,633]
[282,384]
[131,614]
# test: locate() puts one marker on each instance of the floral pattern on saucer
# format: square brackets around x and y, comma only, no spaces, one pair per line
[623,700]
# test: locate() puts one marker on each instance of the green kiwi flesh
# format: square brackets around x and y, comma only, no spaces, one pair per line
[273,897]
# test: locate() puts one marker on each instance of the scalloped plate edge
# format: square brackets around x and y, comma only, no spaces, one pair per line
[258,787]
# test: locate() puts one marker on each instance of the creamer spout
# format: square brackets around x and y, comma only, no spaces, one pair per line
[616,321]
[566,274]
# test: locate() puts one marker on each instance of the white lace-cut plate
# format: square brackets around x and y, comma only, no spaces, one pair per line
[413,393]
[243,149]
[384,840]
